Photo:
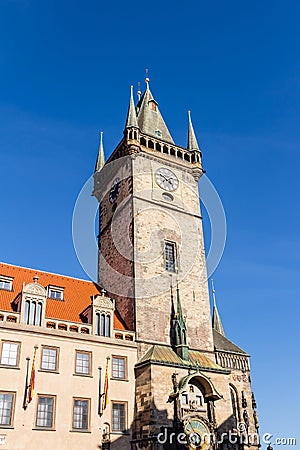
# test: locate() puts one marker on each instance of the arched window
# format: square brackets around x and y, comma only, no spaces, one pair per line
[38,315]
[97,324]
[152,105]
[102,325]
[234,405]
[33,313]
[26,311]
[107,326]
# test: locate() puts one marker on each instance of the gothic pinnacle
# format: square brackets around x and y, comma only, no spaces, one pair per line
[216,320]
[100,159]
[131,120]
[192,140]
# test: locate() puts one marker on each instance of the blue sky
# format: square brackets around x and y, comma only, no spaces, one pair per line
[66,68]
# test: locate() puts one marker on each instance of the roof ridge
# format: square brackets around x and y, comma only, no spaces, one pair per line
[47,272]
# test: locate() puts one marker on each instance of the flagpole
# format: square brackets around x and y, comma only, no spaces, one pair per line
[26,383]
[31,386]
[99,392]
[105,390]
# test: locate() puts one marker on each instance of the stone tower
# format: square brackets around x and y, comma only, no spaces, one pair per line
[191,380]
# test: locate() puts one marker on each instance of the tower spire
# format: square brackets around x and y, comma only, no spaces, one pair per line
[100,159]
[192,140]
[216,320]
[131,120]
[149,118]
[179,309]
[180,344]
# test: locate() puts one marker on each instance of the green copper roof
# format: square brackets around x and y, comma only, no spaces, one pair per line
[150,120]
[165,355]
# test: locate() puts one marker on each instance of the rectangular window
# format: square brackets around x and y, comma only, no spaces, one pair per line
[49,359]
[6,283]
[184,399]
[119,417]
[198,400]
[56,294]
[119,367]
[170,256]
[83,363]
[45,411]
[81,409]
[9,353]
[6,408]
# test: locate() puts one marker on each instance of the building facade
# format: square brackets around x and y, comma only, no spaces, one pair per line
[135,361]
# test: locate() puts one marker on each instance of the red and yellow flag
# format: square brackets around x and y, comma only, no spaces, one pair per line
[31,385]
[105,393]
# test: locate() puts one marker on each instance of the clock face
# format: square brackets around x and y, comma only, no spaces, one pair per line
[114,190]
[166,179]
[197,434]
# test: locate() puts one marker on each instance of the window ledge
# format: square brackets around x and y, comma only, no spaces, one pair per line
[6,427]
[7,366]
[48,371]
[43,429]
[75,430]
[121,433]
[86,375]
[119,379]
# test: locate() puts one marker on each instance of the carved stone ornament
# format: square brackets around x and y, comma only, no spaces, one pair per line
[132,149]
[242,377]
[35,289]
[103,302]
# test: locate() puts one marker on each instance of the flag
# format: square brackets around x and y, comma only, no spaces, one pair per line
[31,385]
[105,393]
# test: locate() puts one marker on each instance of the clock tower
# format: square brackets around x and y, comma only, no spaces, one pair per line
[150,234]
[191,381]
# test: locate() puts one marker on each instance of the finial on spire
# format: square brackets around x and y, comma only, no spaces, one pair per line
[179,309]
[131,120]
[147,79]
[139,92]
[192,140]
[213,292]
[100,159]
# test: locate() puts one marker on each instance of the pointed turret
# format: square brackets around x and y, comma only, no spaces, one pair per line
[149,118]
[100,159]
[192,140]
[172,320]
[216,320]
[131,120]
[181,346]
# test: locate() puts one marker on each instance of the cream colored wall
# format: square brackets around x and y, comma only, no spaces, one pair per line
[180,221]
[65,385]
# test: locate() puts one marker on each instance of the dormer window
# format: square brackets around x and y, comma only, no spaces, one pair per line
[6,283]
[152,105]
[57,293]
[33,312]
[103,324]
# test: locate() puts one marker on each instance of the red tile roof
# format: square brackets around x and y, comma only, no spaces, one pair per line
[77,293]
